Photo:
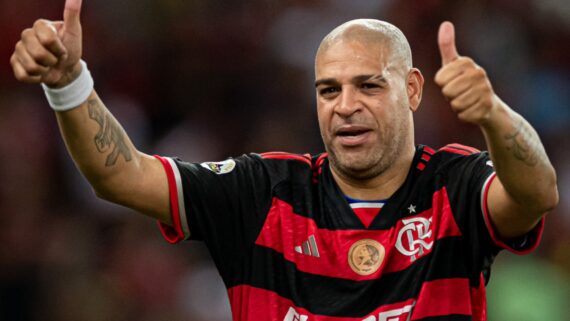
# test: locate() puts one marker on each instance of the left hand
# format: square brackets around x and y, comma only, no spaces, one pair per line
[464,83]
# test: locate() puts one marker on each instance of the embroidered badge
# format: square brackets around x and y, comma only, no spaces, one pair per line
[220,167]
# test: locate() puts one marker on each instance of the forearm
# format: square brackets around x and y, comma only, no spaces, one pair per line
[98,144]
[105,155]
[520,160]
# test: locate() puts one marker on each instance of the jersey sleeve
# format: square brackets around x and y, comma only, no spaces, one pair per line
[221,203]
[469,174]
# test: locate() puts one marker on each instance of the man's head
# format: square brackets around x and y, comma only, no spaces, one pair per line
[366,93]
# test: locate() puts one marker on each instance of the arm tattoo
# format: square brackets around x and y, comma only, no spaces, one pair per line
[525,145]
[110,135]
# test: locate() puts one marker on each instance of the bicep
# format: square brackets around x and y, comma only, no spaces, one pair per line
[508,218]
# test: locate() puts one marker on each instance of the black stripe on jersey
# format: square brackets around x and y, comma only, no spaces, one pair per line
[450,252]
[340,297]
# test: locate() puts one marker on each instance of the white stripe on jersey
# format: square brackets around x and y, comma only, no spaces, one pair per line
[180,192]
[366,205]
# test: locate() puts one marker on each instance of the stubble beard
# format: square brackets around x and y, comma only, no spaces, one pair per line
[367,165]
[371,164]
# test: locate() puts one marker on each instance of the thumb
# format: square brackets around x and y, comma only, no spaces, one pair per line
[71,14]
[446,42]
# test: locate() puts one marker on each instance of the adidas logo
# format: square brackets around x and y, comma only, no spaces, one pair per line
[309,247]
[292,315]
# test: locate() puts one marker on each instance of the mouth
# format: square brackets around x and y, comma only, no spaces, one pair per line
[352,135]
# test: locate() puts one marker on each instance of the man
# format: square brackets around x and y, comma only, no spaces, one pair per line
[375,229]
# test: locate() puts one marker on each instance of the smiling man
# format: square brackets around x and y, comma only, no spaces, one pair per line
[377,228]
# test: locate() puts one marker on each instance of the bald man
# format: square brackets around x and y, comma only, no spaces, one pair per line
[377,228]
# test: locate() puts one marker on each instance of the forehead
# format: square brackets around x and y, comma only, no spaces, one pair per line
[348,58]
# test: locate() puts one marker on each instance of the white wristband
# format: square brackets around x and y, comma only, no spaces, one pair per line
[72,95]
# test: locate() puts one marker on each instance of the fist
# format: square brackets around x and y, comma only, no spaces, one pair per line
[464,83]
[50,51]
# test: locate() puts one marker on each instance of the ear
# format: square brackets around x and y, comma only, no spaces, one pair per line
[415,85]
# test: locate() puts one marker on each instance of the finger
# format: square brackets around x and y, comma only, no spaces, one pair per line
[38,52]
[457,85]
[466,100]
[71,14]
[21,74]
[47,35]
[446,42]
[454,69]
[58,25]
[26,60]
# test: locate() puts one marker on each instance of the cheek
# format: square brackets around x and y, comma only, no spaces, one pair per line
[388,116]
[323,116]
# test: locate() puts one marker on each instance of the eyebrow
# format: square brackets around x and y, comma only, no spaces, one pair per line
[355,79]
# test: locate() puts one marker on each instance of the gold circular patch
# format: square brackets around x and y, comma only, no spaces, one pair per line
[366,256]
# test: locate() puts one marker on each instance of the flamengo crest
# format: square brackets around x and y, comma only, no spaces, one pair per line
[413,238]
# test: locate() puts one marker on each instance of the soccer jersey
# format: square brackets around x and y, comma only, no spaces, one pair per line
[289,247]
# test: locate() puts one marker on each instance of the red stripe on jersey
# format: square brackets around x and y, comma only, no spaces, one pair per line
[455,151]
[251,303]
[534,235]
[443,297]
[321,159]
[425,157]
[318,167]
[429,150]
[282,155]
[473,150]
[479,301]
[172,234]
[459,149]
[286,233]
[421,166]
[366,215]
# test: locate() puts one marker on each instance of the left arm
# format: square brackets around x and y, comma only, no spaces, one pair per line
[525,188]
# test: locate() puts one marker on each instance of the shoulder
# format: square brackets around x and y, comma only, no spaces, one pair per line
[287,165]
[457,162]
[457,152]
[457,156]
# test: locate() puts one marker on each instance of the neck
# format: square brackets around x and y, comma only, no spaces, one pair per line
[382,186]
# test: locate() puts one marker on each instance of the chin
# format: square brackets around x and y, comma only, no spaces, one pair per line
[357,166]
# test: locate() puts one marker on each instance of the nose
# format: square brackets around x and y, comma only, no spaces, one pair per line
[348,102]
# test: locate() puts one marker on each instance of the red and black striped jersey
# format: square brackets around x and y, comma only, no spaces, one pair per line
[289,247]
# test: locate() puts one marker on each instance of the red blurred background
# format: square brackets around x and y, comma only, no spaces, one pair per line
[209,79]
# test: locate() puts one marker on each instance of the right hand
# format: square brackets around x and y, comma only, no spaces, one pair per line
[50,51]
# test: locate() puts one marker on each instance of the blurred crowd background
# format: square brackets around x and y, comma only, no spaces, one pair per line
[209,79]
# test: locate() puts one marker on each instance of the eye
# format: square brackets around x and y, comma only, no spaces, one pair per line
[368,85]
[329,91]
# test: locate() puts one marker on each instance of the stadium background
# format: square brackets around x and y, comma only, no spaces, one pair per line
[209,79]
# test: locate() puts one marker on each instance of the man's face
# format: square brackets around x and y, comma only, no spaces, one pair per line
[363,107]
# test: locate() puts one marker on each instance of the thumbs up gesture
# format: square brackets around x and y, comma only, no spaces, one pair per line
[50,51]
[464,83]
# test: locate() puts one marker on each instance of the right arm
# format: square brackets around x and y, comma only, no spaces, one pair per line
[49,53]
